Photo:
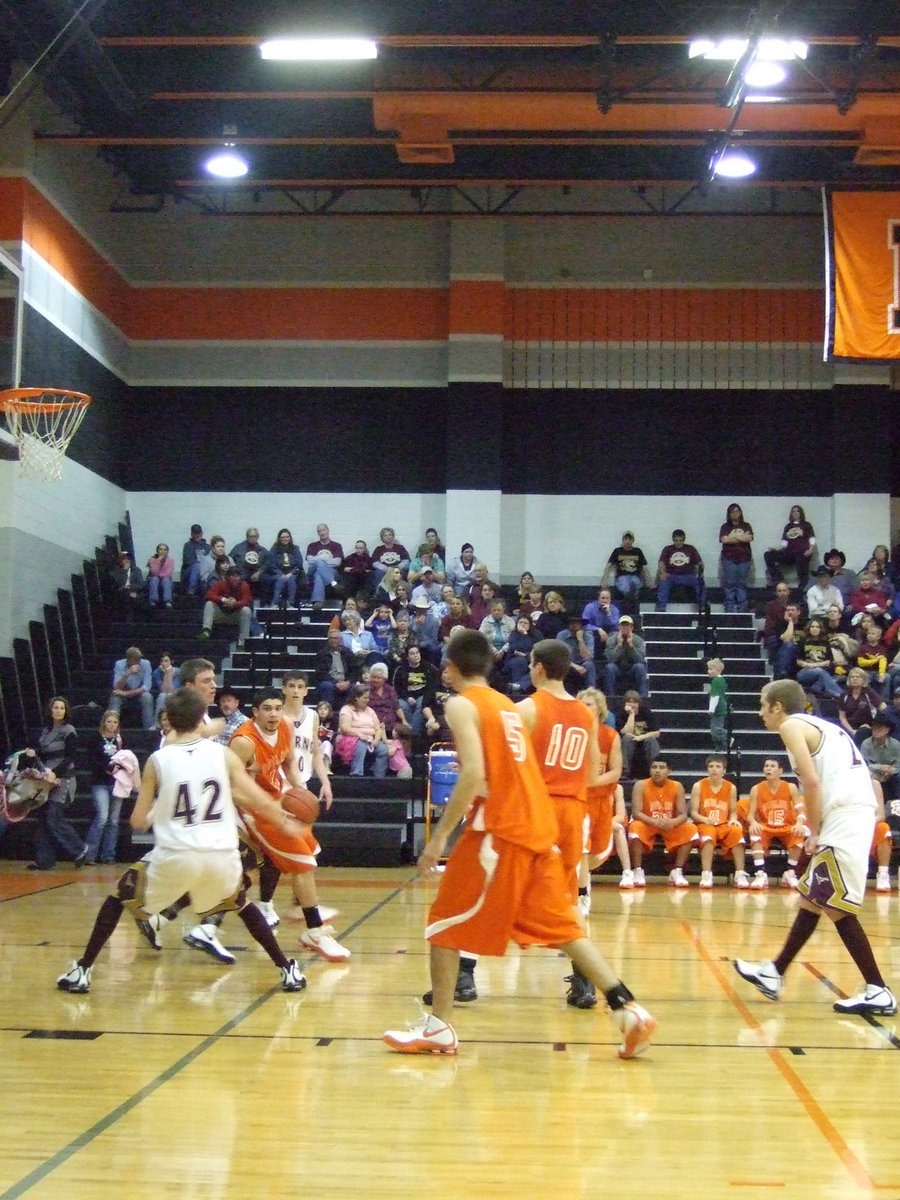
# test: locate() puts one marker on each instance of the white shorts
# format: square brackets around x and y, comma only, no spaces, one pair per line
[835,876]
[209,876]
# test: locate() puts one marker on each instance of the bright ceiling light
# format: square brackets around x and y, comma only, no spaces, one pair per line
[322,49]
[733,165]
[226,165]
[764,74]
[731,49]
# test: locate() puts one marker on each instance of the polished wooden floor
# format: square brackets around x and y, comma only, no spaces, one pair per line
[178,1077]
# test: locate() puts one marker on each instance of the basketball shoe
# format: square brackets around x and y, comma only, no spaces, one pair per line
[760,880]
[464,993]
[323,942]
[762,975]
[741,880]
[706,879]
[292,978]
[203,937]
[626,883]
[428,1036]
[677,879]
[640,879]
[267,908]
[882,880]
[582,993]
[150,928]
[877,1000]
[636,1026]
[76,979]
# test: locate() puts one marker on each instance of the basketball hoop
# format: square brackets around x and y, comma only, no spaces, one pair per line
[43,421]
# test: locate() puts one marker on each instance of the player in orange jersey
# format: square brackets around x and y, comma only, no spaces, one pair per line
[882,843]
[714,812]
[775,812]
[504,879]
[658,810]
[605,823]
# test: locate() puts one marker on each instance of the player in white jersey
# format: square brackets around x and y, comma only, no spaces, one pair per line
[186,793]
[840,808]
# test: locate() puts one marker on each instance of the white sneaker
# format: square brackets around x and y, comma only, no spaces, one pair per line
[203,937]
[626,883]
[322,941]
[877,1000]
[741,879]
[150,929]
[76,979]
[789,878]
[677,879]
[267,908]
[883,879]
[706,879]
[292,978]
[760,881]
[640,879]
[637,1028]
[762,975]
[428,1036]
[584,904]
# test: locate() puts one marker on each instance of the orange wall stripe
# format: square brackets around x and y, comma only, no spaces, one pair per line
[12,202]
[477,306]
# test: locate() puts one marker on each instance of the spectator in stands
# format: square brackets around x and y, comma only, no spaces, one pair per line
[427,561]
[415,683]
[458,615]
[461,572]
[336,669]
[815,661]
[403,600]
[837,620]
[552,620]
[873,657]
[436,727]
[55,748]
[844,648]
[773,617]
[822,594]
[401,639]
[845,581]
[880,565]
[639,731]
[601,617]
[582,671]
[881,579]
[356,569]
[433,544]
[389,553]
[534,605]
[323,561]
[128,582]
[518,655]
[253,559]
[882,754]
[210,564]
[789,632]
[680,565]
[358,640]
[165,679]
[448,595]
[659,809]
[193,550]
[425,626]
[386,592]
[626,567]
[160,569]
[525,588]
[735,537]
[228,602]
[132,681]
[229,703]
[284,568]
[383,699]
[381,625]
[480,605]
[798,541]
[100,746]
[473,592]
[858,705]
[626,660]
[361,739]
[427,586]
[869,598]
[497,627]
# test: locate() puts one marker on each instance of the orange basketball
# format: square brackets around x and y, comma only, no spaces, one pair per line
[301,803]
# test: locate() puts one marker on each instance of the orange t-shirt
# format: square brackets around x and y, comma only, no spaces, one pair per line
[775,809]
[607,738]
[561,738]
[715,806]
[659,801]
[517,806]
[268,757]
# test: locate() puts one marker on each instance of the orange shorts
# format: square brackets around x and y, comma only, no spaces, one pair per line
[570,816]
[493,892]
[672,838]
[725,836]
[598,838]
[777,833]
[292,853]
[882,834]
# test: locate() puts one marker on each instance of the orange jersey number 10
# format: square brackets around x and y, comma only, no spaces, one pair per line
[566,748]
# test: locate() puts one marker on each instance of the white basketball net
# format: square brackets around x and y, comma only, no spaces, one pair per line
[43,425]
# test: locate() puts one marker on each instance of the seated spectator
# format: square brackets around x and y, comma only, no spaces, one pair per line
[480,604]
[425,562]
[775,811]
[868,598]
[336,669]
[460,573]
[128,584]
[837,620]
[873,656]
[580,641]
[882,754]
[639,731]
[252,558]
[160,569]
[659,810]
[389,553]
[552,619]
[425,626]
[626,660]
[773,620]
[601,618]
[448,595]
[433,544]
[458,615]
[350,605]
[229,705]
[436,727]
[518,655]
[858,705]
[714,812]
[822,594]
[525,588]
[798,541]
[627,568]
[403,599]
[101,745]
[383,699]
[815,661]
[284,569]
[358,640]
[131,684]
[325,713]
[165,679]
[789,633]
[736,558]
[879,565]
[401,639]
[473,593]
[845,581]
[381,625]
[194,549]
[497,628]
[228,602]
[323,561]
[386,592]
[680,565]
[415,683]
[534,605]
[844,648]
[361,741]
[427,585]
[356,570]
[210,563]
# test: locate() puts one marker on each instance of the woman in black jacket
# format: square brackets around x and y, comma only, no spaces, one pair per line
[56,750]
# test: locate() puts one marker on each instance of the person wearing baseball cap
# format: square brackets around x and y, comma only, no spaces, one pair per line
[626,660]
[627,568]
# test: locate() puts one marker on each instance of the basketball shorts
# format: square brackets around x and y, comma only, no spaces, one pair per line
[725,836]
[493,892]
[777,833]
[570,816]
[292,853]
[598,839]
[835,876]
[672,838]
[212,879]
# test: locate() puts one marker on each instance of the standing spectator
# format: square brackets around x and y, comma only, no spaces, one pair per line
[389,553]
[822,594]
[101,745]
[882,754]
[461,572]
[718,704]
[626,660]
[601,617]
[735,537]
[284,568]
[160,569]
[132,681]
[128,581]
[228,602]
[798,541]
[336,669]
[55,747]
[638,729]
[192,552]
[323,561]
[845,581]
[356,570]
[165,679]
[680,565]
[626,567]
[582,672]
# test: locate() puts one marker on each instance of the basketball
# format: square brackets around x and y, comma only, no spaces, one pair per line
[301,803]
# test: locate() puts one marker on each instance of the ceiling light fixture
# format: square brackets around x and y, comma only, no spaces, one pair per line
[227,163]
[734,165]
[762,74]
[318,49]
[731,49]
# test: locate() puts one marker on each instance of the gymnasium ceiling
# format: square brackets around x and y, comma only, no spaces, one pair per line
[490,106]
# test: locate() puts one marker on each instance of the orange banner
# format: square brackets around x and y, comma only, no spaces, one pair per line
[863,234]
